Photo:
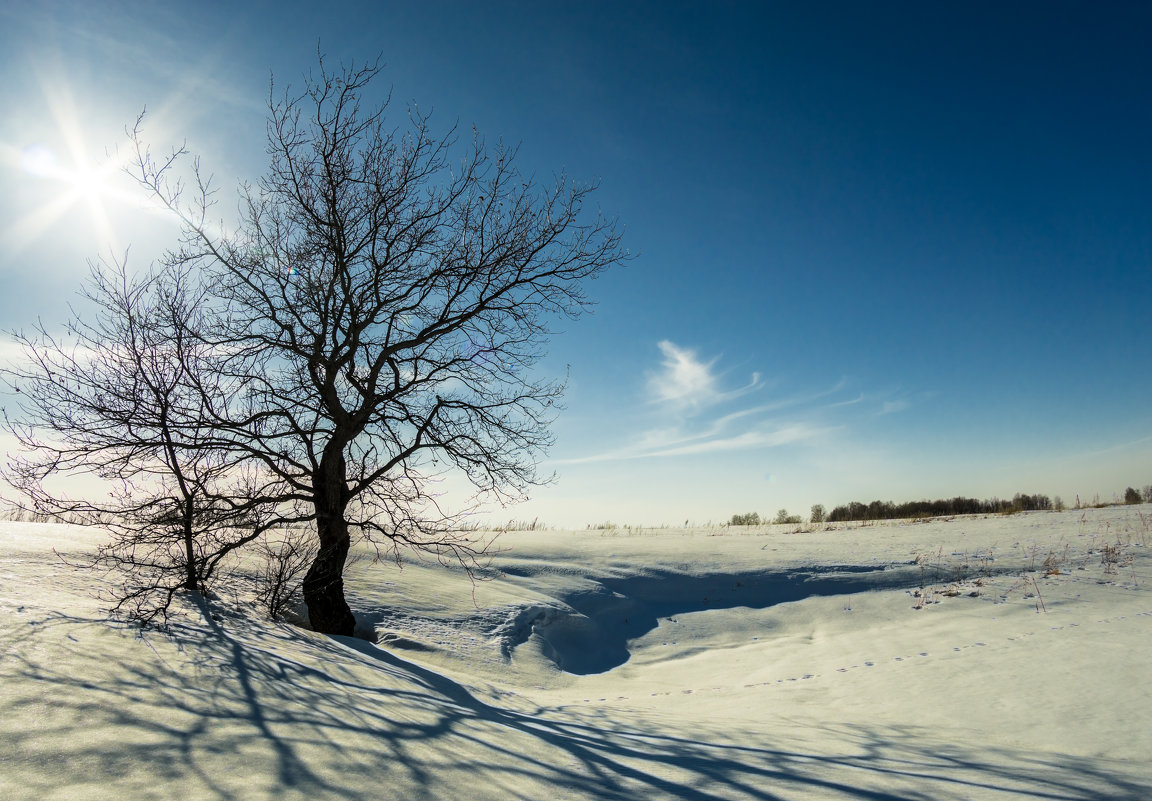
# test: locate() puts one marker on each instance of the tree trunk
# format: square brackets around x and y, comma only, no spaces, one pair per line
[190,577]
[323,586]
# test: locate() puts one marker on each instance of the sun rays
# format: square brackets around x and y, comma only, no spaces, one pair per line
[64,171]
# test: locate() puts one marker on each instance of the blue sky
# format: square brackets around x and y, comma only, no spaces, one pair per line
[883,250]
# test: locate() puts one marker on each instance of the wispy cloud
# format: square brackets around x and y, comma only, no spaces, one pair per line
[1122,446]
[784,435]
[685,380]
[12,354]
[893,406]
[851,402]
[693,412]
[666,443]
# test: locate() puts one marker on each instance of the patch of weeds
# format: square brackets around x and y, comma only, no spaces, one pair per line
[984,561]
[1055,560]
[924,597]
[1114,557]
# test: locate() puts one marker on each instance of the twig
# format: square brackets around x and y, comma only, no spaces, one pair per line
[1040,606]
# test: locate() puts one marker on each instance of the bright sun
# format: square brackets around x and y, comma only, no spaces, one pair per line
[78,182]
[82,182]
[64,176]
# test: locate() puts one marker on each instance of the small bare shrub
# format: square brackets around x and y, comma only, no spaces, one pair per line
[287,555]
[1113,557]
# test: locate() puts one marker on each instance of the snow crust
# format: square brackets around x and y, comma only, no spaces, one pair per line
[970,658]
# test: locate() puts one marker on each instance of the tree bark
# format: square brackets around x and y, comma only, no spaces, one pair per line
[190,578]
[323,586]
[328,612]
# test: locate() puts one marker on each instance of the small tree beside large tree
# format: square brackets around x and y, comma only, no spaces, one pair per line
[121,398]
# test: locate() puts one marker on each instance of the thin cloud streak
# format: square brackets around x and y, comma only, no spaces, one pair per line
[687,389]
[1123,446]
[689,446]
[12,354]
[891,407]
[787,435]
[858,399]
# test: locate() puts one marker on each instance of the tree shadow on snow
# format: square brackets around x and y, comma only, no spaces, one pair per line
[236,710]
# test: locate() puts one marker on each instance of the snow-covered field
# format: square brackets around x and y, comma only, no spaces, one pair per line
[973,658]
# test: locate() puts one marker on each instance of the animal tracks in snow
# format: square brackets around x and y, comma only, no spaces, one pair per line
[897,661]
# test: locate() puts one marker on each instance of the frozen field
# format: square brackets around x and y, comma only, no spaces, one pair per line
[974,658]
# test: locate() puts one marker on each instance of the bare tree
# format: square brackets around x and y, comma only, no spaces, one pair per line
[382,301]
[117,405]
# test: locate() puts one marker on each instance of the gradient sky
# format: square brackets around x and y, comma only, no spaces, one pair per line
[883,250]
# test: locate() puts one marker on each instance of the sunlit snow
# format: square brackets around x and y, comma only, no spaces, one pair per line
[979,657]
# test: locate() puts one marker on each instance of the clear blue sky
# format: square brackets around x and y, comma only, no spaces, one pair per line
[885,250]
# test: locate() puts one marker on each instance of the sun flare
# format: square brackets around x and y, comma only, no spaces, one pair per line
[65,169]
[76,180]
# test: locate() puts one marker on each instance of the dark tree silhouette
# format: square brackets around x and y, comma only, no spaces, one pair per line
[121,398]
[380,305]
[887,510]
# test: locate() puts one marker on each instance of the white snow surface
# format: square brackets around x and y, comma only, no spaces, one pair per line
[1000,657]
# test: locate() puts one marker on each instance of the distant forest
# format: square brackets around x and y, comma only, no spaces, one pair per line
[1021,502]
[942,507]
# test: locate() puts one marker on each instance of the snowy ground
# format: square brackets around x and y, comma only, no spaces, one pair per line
[974,658]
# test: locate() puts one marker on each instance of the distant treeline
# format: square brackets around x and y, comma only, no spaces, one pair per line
[943,507]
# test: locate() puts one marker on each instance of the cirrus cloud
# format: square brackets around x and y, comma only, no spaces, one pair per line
[685,380]
[695,413]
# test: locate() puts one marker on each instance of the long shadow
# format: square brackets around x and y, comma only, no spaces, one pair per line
[242,711]
[620,758]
